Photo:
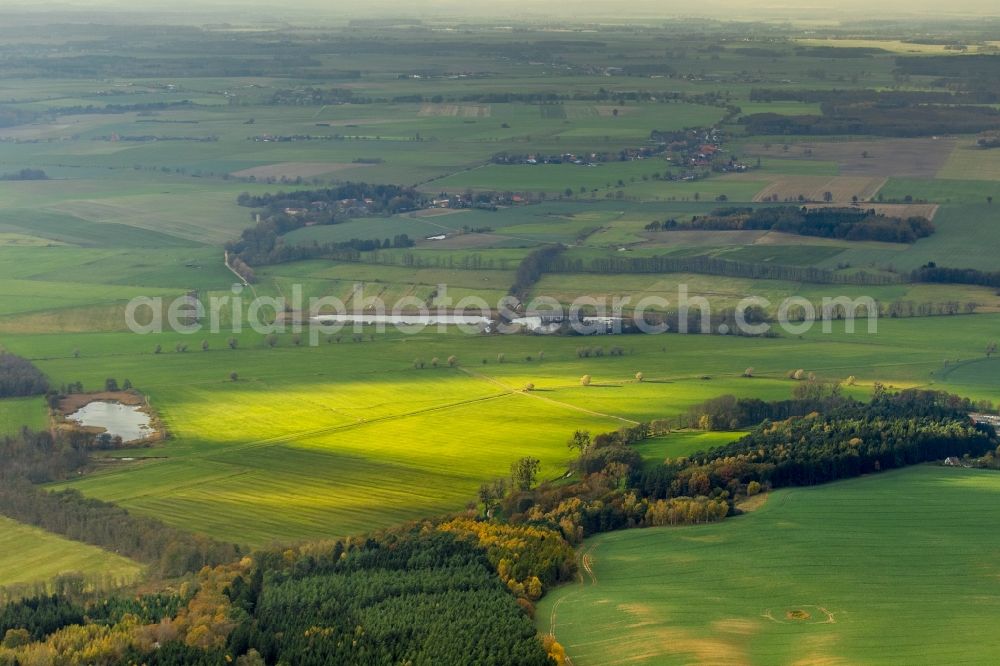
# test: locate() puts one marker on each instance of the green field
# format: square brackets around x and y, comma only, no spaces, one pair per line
[31,556]
[16,413]
[889,569]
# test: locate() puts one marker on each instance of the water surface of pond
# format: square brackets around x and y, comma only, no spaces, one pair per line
[125,421]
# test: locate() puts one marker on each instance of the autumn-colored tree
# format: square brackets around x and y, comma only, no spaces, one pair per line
[585,380]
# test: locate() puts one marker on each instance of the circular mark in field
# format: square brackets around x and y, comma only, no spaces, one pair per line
[818,615]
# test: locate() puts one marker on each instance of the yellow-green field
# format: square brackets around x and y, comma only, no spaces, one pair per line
[29,555]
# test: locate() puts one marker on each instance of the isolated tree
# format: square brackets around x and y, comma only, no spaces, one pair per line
[989,199]
[991,349]
[452,361]
[233,343]
[233,376]
[76,353]
[110,384]
[180,347]
[585,380]
[524,472]
[529,387]
[500,357]
[748,372]
[541,356]
[580,441]
[127,384]
[435,362]
[799,374]
[828,196]
[204,345]
[638,376]
[418,363]
[157,349]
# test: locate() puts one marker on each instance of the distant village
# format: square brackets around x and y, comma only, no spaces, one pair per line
[690,155]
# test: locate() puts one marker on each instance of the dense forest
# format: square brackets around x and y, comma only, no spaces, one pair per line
[848,223]
[20,377]
[933,273]
[429,598]
[422,594]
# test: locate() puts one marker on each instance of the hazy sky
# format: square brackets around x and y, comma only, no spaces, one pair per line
[840,9]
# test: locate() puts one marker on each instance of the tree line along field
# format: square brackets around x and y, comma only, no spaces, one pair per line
[300,445]
[885,569]
[30,556]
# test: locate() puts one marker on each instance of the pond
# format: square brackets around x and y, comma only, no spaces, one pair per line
[126,421]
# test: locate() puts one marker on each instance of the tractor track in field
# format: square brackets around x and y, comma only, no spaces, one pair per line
[553,401]
[313,432]
[586,563]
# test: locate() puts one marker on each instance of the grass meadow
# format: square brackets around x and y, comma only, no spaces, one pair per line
[897,568]
[29,555]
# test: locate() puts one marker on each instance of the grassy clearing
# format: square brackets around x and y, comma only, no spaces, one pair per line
[16,413]
[683,443]
[820,574]
[29,555]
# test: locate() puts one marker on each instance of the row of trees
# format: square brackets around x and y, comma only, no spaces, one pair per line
[845,223]
[532,267]
[31,458]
